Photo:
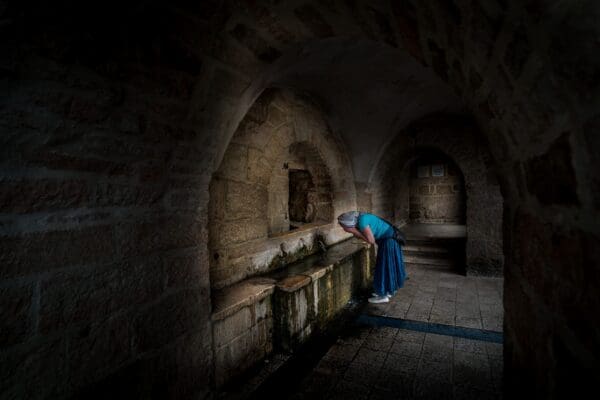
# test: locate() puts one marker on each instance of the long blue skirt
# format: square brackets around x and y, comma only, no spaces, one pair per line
[389,267]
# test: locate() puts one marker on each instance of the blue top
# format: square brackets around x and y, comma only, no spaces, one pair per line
[379,227]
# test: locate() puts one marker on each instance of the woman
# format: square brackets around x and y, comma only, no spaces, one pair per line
[389,267]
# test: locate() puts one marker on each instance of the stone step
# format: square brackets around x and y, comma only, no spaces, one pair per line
[408,258]
[441,268]
[425,249]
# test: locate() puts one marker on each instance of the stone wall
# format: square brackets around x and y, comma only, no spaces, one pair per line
[435,198]
[104,286]
[249,204]
[113,120]
[283,309]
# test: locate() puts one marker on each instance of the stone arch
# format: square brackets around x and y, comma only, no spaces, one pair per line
[455,136]
[248,193]
[528,73]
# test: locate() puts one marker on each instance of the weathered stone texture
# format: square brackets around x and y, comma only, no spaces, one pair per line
[94,117]
[250,193]
[436,199]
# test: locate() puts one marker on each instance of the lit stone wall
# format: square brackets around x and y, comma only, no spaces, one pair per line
[249,206]
[114,118]
[435,198]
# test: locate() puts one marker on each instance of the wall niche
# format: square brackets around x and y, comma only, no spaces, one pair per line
[281,180]
[302,199]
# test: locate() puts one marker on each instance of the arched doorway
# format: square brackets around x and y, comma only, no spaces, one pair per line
[436,223]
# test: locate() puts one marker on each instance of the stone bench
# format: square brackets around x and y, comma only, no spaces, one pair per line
[280,310]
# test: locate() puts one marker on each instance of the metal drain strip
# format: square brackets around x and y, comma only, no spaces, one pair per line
[430,327]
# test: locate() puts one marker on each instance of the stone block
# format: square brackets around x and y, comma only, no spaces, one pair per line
[293,283]
[234,165]
[169,318]
[35,370]
[259,167]
[218,193]
[424,189]
[26,196]
[314,21]
[230,300]
[251,39]
[240,231]
[95,293]
[15,306]
[245,201]
[294,316]
[44,251]
[278,116]
[188,268]
[99,347]
[227,329]
[443,189]
[551,177]
[243,352]
[408,27]
[177,232]
[54,159]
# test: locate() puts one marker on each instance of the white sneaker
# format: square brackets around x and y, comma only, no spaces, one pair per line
[375,295]
[379,299]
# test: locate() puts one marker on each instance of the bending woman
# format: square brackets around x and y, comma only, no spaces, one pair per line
[389,266]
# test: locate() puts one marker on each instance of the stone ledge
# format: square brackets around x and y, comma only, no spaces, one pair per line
[316,269]
[293,283]
[231,299]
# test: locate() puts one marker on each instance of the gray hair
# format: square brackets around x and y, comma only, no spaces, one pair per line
[349,219]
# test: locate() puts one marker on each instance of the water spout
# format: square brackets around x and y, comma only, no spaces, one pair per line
[322,246]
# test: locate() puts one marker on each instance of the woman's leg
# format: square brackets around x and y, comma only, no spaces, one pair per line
[392,266]
[379,292]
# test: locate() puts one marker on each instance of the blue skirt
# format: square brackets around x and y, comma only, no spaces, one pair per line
[389,267]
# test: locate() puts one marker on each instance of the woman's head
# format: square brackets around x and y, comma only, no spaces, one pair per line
[348,219]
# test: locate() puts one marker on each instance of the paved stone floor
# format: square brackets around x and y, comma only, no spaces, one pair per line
[444,297]
[388,363]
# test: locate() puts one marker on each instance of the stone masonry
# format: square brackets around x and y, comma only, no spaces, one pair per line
[116,117]
[436,199]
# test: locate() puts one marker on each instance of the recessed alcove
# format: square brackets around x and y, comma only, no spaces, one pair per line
[274,196]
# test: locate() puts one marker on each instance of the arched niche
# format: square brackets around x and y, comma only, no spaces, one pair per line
[300,189]
[457,137]
[283,136]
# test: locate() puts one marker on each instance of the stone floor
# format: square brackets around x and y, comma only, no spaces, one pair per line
[390,363]
[441,296]
[384,362]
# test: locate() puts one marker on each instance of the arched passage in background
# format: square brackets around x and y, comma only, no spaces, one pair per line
[456,137]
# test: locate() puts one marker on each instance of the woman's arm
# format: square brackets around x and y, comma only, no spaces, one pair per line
[366,235]
[356,233]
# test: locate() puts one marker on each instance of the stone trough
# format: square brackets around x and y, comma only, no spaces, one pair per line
[281,310]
